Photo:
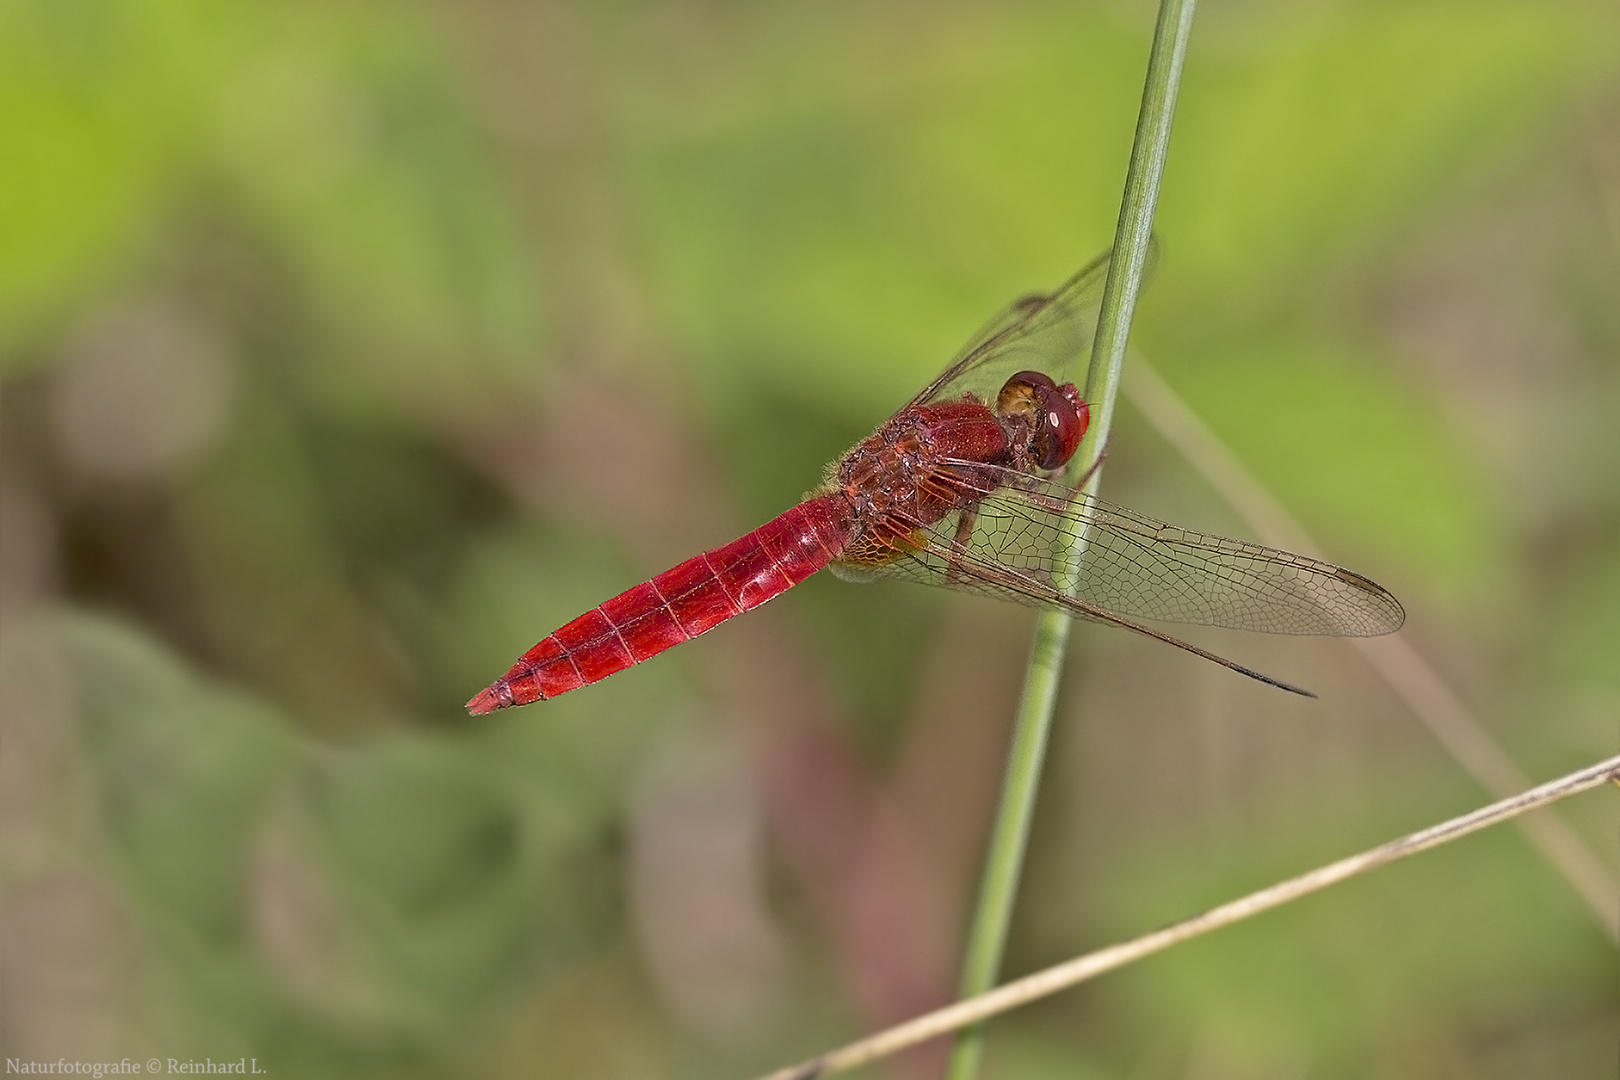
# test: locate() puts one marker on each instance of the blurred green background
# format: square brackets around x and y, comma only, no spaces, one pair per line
[349,348]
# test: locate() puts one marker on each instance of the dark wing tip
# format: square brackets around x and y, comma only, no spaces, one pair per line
[1394,615]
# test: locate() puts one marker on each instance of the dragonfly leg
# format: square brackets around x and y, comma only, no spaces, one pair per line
[964,532]
[1058,506]
[1102,456]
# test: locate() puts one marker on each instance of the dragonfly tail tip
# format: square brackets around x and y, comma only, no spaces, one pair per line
[487,701]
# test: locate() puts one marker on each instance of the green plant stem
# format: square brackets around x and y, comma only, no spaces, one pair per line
[998,889]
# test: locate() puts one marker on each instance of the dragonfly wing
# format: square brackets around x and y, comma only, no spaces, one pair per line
[934,557]
[1137,566]
[939,556]
[1142,567]
[1047,332]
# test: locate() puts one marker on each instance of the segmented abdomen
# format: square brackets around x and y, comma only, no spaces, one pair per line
[677,605]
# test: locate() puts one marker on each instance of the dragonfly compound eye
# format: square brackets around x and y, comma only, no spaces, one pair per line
[1055,413]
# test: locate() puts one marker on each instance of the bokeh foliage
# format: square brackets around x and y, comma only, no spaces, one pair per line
[350,348]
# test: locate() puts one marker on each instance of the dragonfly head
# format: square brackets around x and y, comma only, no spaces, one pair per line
[1055,415]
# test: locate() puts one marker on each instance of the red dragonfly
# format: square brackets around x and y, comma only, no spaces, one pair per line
[961,488]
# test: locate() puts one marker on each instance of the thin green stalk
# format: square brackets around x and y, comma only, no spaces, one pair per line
[998,889]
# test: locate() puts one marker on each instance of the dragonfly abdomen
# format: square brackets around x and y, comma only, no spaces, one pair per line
[677,605]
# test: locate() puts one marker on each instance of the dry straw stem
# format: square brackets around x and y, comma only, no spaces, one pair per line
[1050,981]
[1393,658]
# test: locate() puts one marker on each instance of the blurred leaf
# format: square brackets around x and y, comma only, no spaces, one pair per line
[454,878]
[270,583]
[461,886]
[186,770]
